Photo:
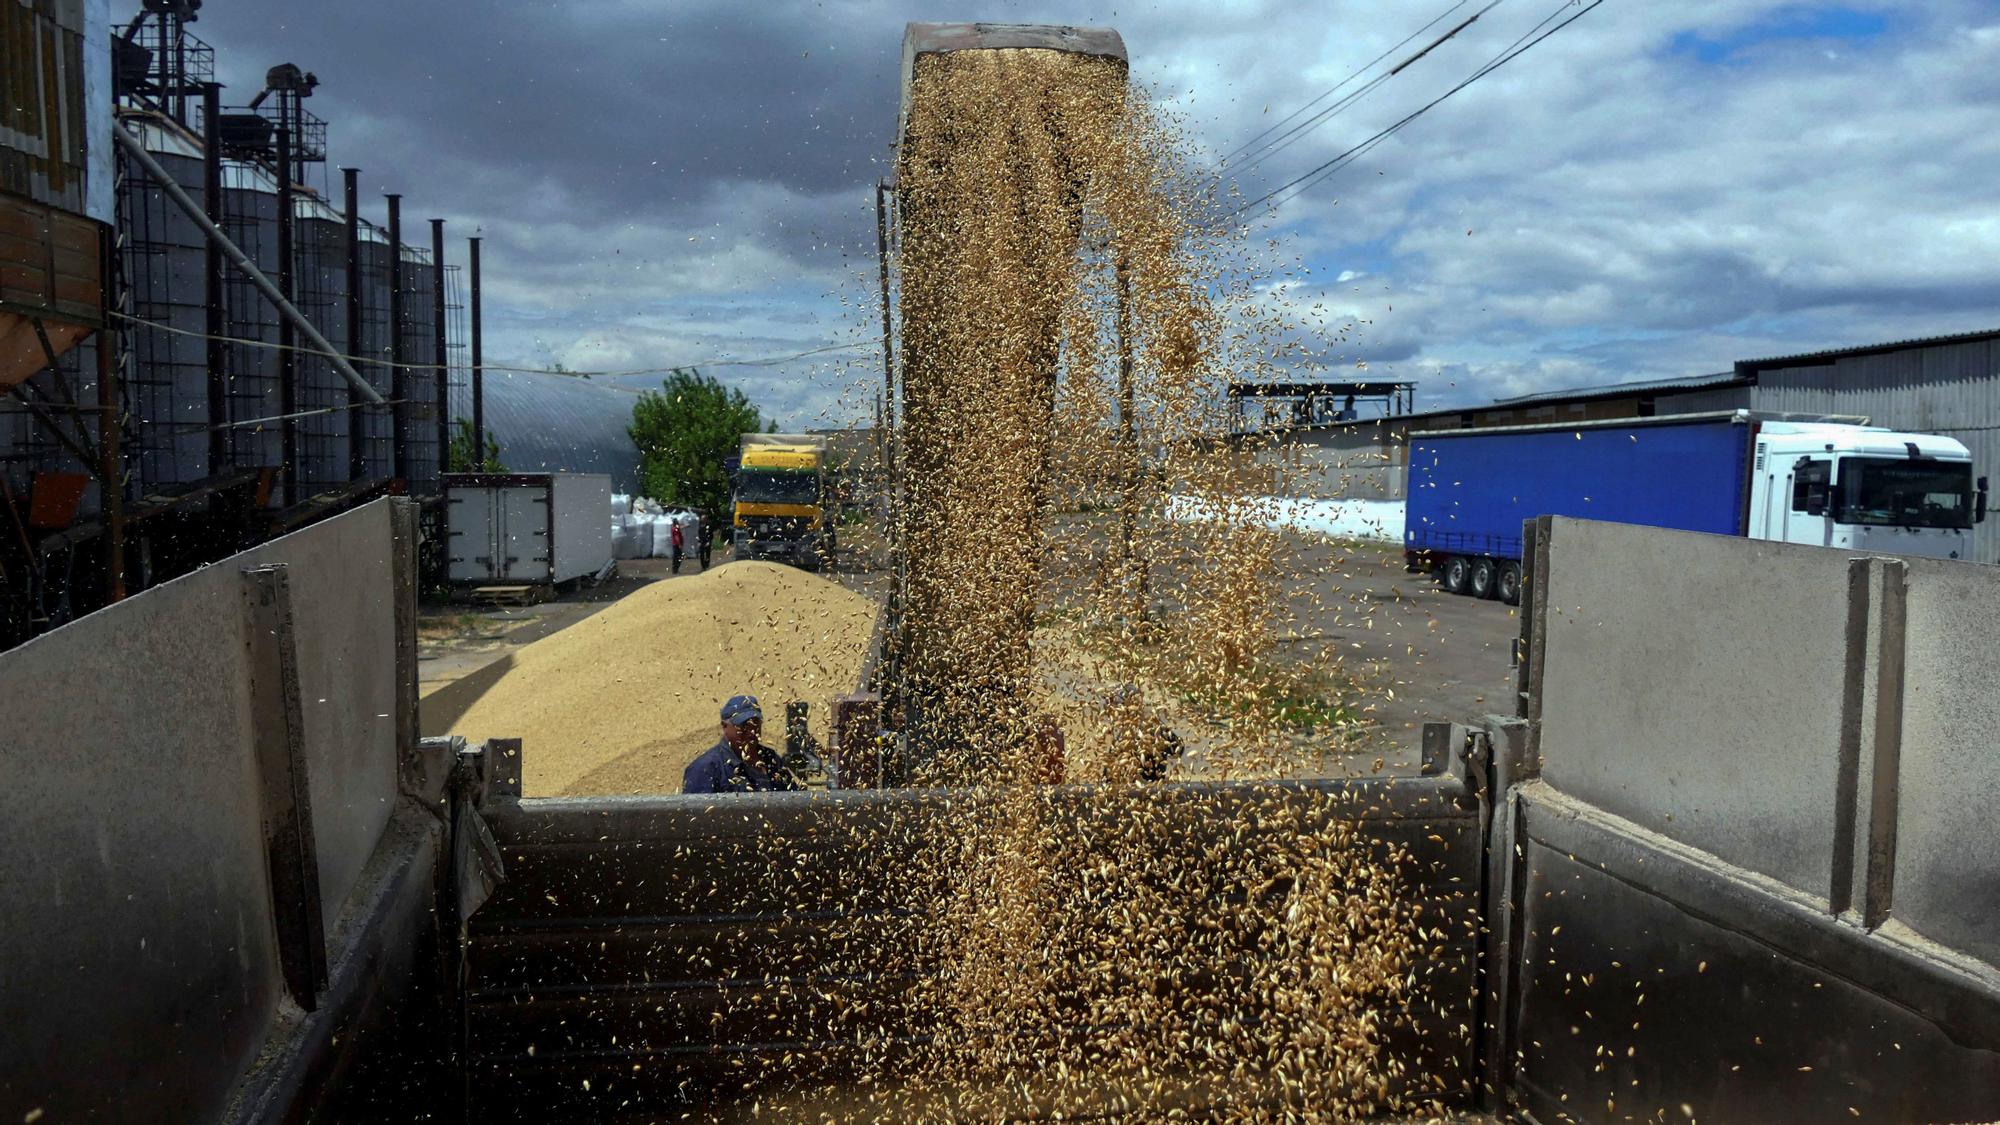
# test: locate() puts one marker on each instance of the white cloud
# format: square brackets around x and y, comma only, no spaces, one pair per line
[664,183]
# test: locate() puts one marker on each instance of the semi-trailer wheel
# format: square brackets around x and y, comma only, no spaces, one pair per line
[1510,582]
[1454,574]
[1484,578]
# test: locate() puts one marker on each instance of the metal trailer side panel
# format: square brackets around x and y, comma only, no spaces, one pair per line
[1470,492]
[526,531]
[469,533]
[580,535]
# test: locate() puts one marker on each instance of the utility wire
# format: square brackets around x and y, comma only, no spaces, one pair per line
[1515,50]
[760,361]
[1343,159]
[203,427]
[1358,72]
[1299,132]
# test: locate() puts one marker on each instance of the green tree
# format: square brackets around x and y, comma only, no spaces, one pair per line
[685,431]
[463,456]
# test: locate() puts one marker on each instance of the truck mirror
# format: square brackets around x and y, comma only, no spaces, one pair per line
[1979,503]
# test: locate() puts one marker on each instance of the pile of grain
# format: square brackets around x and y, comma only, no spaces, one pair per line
[620,702]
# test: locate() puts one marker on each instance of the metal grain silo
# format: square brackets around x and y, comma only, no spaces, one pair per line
[370,347]
[252,363]
[419,382]
[164,259]
[320,291]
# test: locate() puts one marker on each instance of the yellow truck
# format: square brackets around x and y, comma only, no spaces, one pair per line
[784,506]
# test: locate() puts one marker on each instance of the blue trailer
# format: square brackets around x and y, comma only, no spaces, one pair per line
[1819,481]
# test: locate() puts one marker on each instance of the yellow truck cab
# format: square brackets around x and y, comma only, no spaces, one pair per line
[783,508]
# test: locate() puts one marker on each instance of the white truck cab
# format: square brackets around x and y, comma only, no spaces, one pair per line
[1861,488]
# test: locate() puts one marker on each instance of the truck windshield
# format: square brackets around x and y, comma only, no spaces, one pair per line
[1896,492]
[779,486]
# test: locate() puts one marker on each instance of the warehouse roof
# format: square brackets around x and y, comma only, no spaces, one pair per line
[1620,390]
[1743,374]
[557,423]
[1749,367]
[1304,389]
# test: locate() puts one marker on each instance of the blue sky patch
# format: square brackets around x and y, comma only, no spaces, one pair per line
[1800,22]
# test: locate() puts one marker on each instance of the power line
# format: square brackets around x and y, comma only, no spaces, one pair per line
[1358,72]
[758,361]
[1515,50]
[1298,132]
[203,427]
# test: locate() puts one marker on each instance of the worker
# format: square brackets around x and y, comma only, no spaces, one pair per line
[739,763]
[704,539]
[679,542]
[1050,762]
[1157,746]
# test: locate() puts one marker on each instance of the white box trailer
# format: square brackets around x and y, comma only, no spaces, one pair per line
[526,529]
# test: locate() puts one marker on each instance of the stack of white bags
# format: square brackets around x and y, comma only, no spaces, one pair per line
[642,528]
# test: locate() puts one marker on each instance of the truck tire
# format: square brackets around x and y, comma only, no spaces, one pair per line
[1510,582]
[1484,581]
[1454,574]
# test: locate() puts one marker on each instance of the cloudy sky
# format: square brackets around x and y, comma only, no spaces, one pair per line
[1656,190]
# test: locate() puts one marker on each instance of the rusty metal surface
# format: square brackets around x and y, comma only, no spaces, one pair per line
[44,152]
[49,268]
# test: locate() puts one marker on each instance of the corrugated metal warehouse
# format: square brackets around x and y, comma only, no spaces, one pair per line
[558,423]
[1946,385]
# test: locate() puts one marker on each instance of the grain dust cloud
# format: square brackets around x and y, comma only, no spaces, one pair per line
[1114,945]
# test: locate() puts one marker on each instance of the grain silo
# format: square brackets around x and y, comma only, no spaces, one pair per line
[238,396]
[370,346]
[252,364]
[419,381]
[166,362]
[320,291]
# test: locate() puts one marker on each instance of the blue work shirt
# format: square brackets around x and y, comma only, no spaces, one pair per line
[720,769]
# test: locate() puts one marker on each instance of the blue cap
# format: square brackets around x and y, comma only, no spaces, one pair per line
[741,709]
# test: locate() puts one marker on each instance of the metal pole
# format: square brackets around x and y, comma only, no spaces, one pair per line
[235,254]
[111,463]
[888,352]
[179,78]
[357,462]
[890,480]
[288,360]
[212,295]
[1128,434]
[440,354]
[478,369]
[399,414]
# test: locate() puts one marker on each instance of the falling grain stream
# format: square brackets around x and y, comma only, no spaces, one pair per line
[1061,345]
